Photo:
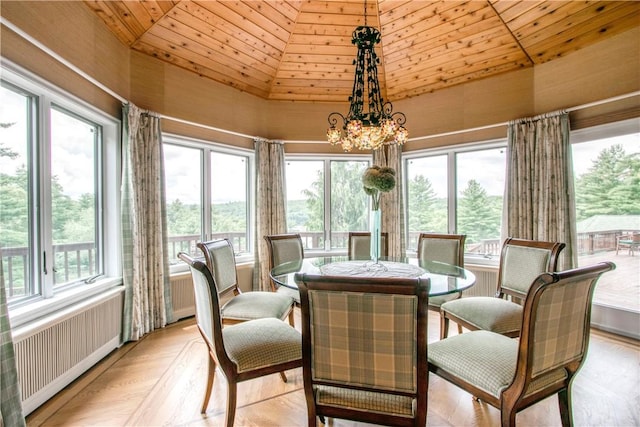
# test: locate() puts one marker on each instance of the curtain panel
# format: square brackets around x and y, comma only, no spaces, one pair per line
[392,203]
[147,304]
[270,204]
[10,395]
[539,190]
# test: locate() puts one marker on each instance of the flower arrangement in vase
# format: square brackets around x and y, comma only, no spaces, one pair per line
[377,180]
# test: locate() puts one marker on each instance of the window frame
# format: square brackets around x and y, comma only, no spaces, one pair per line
[327,159]
[206,148]
[46,298]
[452,190]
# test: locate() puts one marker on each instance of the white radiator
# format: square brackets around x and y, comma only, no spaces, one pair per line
[182,298]
[54,351]
[486,281]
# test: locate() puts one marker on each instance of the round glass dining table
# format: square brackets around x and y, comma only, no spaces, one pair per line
[444,278]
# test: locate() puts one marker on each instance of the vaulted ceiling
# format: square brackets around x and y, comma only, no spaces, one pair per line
[302,50]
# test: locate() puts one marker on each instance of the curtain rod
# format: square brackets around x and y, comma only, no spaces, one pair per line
[87,77]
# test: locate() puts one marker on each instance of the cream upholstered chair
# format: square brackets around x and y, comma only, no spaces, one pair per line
[521,261]
[446,248]
[514,374]
[364,344]
[359,245]
[243,351]
[285,248]
[245,306]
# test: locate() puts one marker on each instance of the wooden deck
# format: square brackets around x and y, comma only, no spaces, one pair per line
[620,287]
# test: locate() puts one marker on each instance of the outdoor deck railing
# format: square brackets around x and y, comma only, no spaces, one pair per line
[78,260]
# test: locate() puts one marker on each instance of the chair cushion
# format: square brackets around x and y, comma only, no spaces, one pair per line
[257,305]
[482,358]
[365,400]
[437,301]
[261,342]
[486,360]
[487,313]
[293,293]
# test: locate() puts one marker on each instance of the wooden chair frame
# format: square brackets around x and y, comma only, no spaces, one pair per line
[418,287]
[554,249]
[460,238]
[514,398]
[272,241]
[384,243]
[217,353]
[207,249]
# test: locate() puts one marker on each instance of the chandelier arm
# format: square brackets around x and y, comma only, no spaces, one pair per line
[333,119]
[370,122]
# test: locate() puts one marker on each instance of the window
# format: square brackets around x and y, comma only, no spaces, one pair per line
[326,192]
[457,191]
[427,196]
[54,155]
[606,164]
[208,195]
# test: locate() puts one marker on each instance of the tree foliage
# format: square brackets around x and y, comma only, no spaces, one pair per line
[611,186]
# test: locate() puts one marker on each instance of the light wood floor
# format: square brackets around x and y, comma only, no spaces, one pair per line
[160,380]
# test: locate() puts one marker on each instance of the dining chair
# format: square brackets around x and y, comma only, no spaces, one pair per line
[445,248]
[243,351]
[364,348]
[514,374]
[521,261]
[243,306]
[284,248]
[359,245]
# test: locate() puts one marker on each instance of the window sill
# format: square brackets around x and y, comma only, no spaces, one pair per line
[33,309]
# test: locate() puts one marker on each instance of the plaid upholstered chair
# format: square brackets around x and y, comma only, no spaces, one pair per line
[514,374]
[364,344]
[243,351]
[521,261]
[243,306]
[284,248]
[446,248]
[359,245]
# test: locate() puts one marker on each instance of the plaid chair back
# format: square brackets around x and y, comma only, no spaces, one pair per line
[285,248]
[208,315]
[359,245]
[222,263]
[520,265]
[448,249]
[364,339]
[561,324]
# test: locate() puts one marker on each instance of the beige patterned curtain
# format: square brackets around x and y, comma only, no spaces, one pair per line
[10,395]
[147,304]
[270,204]
[539,194]
[392,203]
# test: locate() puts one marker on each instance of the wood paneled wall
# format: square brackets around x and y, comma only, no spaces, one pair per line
[607,69]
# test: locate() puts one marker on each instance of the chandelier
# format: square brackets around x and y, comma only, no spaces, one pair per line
[371,122]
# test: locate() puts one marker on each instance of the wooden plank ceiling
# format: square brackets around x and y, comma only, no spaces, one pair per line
[302,50]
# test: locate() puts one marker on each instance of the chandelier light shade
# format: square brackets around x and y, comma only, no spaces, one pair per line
[371,122]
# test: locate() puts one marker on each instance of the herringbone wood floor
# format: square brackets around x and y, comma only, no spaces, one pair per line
[160,380]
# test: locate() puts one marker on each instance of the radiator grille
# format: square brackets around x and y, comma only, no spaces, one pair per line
[49,358]
[486,282]
[182,298]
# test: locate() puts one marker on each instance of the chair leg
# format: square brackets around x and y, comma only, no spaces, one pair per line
[507,416]
[210,377]
[291,319]
[459,329]
[444,326]
[564,402]
[232,393]
[283,376]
